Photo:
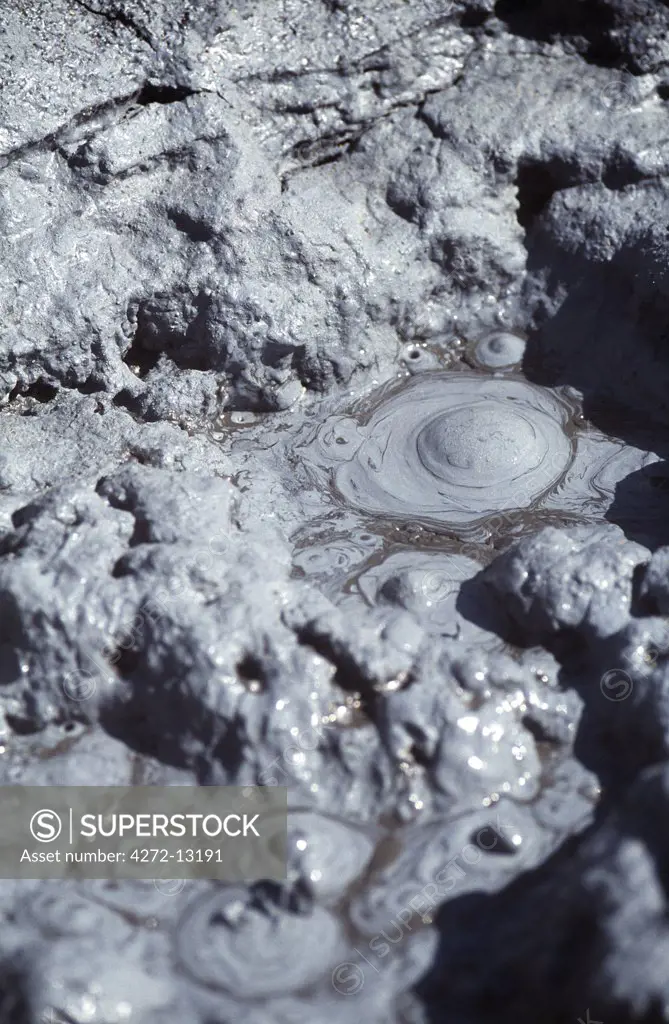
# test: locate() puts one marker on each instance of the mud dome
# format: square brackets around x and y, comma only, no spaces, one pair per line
[333,428]
[233,928]
[453,449]
[499,350]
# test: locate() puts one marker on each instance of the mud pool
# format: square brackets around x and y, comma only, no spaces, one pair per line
[334,428]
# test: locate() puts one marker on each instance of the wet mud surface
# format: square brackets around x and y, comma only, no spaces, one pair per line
[334,420]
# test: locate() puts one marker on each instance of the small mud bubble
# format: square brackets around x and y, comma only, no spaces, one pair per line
[499,350]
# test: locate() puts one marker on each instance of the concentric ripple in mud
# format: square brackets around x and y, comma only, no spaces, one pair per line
[242,943]
[499,350]
[326,854]
[478,851]
[59,909]
[450,448]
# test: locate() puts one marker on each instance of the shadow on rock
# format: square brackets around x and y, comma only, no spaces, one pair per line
[477,604]
[640,506]
[555,945]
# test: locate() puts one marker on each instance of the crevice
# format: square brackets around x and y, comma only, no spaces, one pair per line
[365,64]
[140,360]
[620,172]
[52,141]
[474,17]
[417,751]
[44,392]
[328,149]
[154,92]
[173,158]
[325,150]
[642,604]
[538,730]
[537,182]
[89,387]
[141,533]
[125,502]
[277,354]
[22,726]
[125,399]
[176,334]
[348,674]
[400,206]
[124,660]
[98,118]
[196,230]
[41,390]
[119,568]
[119,17]
[251,671]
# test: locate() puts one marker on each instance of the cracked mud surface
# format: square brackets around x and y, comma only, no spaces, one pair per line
[333,384]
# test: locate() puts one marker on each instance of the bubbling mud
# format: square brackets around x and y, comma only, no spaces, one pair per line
[450,449]
[244,944]
[478,851]
[499,350]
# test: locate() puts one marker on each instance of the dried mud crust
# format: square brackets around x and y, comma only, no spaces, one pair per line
[333,384]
